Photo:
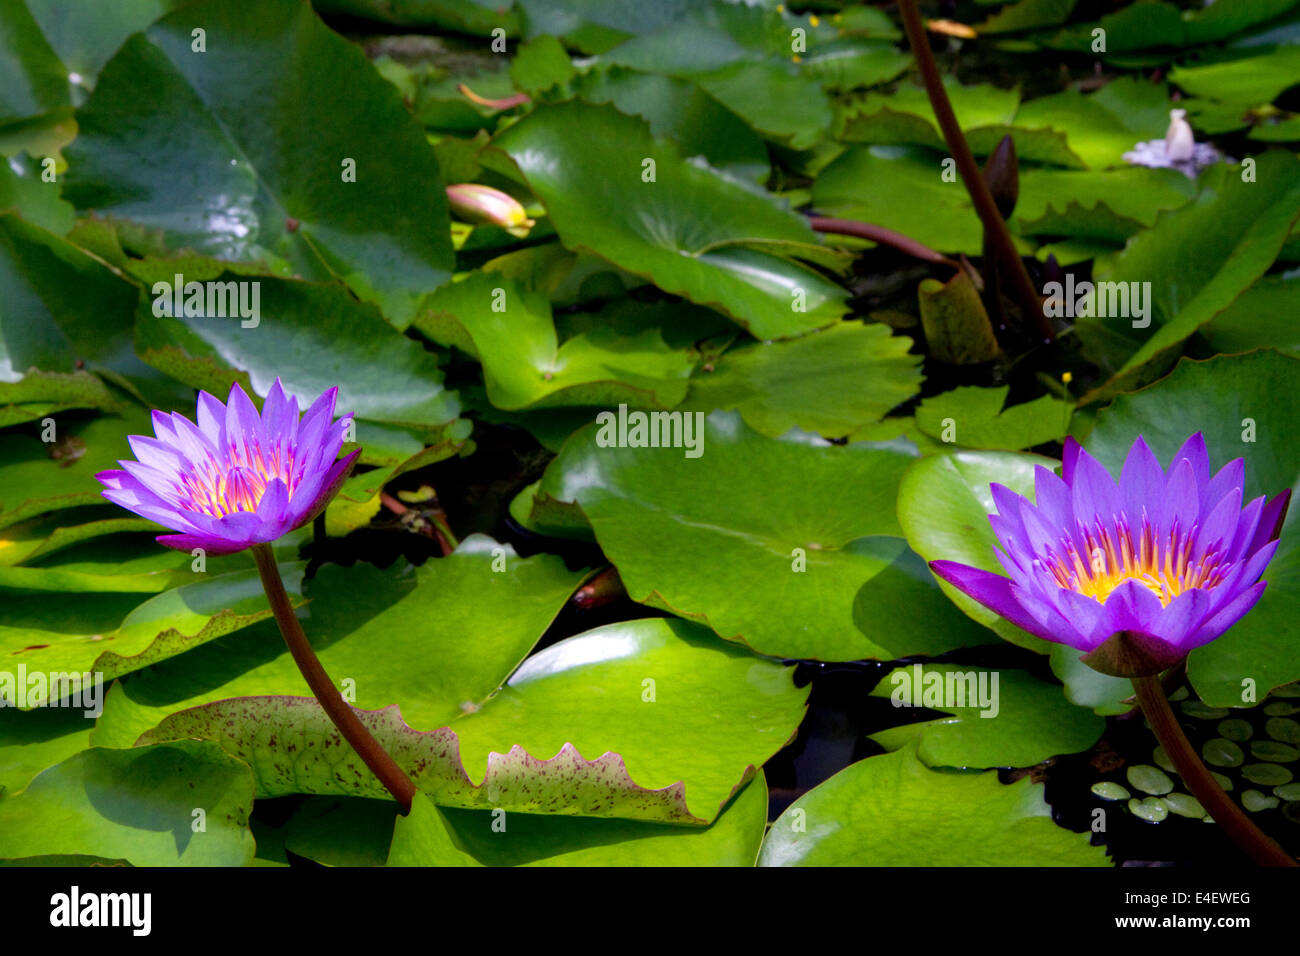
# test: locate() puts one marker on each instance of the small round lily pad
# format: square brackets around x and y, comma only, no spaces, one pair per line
[1234,728]
[1288,791]
[1109,790]
[1267,774]
[1284,729]
[1180,694]
[1150,809]
[1161,759]
[1273,751]
[1254,801]
[1149,779]
[1287,690]
[1194,708]
[1185,805]
[1280,708]
[1221,752]
[1225,783]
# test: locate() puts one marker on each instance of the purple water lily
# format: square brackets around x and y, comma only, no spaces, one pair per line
[1166,559]
[237,478]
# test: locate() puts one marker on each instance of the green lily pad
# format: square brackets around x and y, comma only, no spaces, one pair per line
[830,382]
[32,80]
[113,634]
[306,331]
[1150,809]
[1220,752]
[978,419]
[944,505]
[1185,805]
[781,579]
[67,310]
[1261,317]
[679,109]
[1197,259]
[1109,790]
[443,836]
[1017,722]
[137,805]
[1149,779]
[661,754]
[1283,729]
[434,640]
[689,230]
[511,331]
[892,810]
[238,159]
[30,742]
[1240,404]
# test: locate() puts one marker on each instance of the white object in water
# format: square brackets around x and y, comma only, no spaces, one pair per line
[1180,144]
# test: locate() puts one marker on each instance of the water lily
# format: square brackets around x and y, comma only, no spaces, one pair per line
[237,478]
[477,203]
[1136,573]
[1178,150]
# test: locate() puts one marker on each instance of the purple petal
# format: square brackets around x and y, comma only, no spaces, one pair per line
[1068,459]
[1194,452]
[1228,616]
[211,544]
[1141,482]
[1133,607]
[1094,494]
[995,593]
[1180,503]
[1271,520]
[1218,529]
[212,419]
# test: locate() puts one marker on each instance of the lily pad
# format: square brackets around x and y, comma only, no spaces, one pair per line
[830,382]
[442,836]
[137,805]
[944,503]
[1010,719]
[433,639]
[689,230]
[511,331]
[892,810]
[782,579]
[243,172]
[655,747]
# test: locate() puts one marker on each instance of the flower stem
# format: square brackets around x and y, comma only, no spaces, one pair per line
[1262,848]
[393,777]
[866,230]
[995,226]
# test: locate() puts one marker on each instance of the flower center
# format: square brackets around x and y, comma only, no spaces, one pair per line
[220,488]
[1113,555]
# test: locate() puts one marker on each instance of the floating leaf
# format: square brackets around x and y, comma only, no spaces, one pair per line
[136,805]
[237,159]
[830,381]
[894,811]
[687,229]
[667,758]
[777,573]
[1016,722]
[438,836]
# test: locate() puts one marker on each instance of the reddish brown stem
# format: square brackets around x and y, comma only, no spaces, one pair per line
[865,230]
[978,189]
[393,777]
[1262,848]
